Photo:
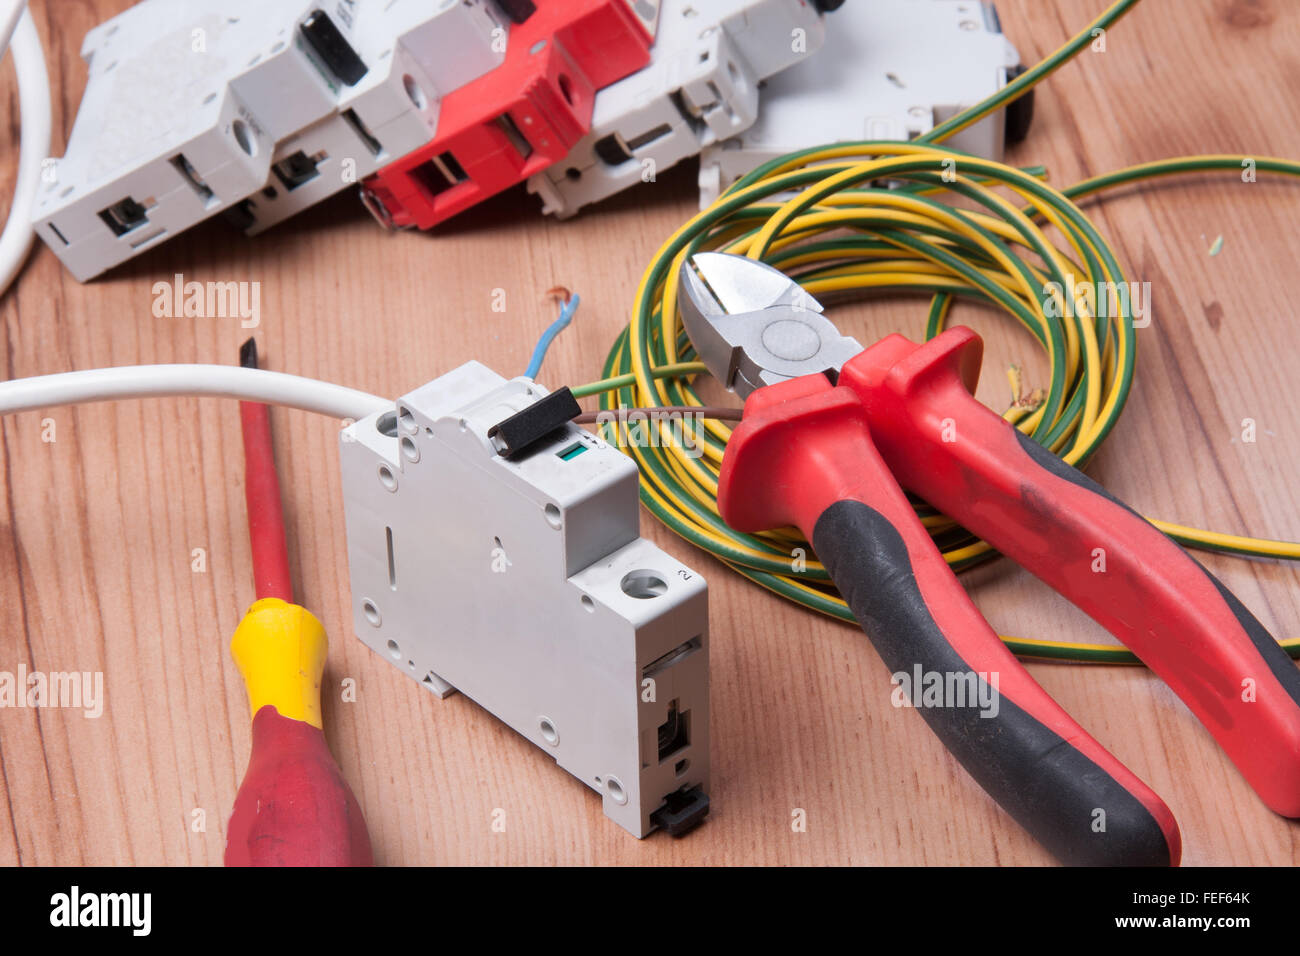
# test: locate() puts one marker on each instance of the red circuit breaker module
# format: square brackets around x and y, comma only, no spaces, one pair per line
[520,117]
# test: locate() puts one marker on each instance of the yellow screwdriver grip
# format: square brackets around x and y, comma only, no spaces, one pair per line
[280,649]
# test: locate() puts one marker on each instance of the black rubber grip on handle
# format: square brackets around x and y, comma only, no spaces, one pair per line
[1046,784]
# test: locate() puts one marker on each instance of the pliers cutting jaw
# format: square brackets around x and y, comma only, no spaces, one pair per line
[753,325]
[833,459]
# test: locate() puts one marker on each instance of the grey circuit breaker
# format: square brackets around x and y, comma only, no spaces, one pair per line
[252,109]
[495,550]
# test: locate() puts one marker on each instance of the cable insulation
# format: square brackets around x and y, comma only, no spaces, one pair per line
[155,381]
[34,147]
[548,336]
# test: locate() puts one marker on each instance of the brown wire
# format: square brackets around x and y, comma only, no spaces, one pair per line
[720,412]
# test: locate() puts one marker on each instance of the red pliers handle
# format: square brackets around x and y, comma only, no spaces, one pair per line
[830,459]
[803,455]
[968,462]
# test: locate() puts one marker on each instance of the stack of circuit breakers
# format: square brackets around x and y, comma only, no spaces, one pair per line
[258,109]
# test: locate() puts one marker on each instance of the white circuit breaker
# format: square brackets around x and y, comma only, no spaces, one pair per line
[889,70]
[254,107]
[701,87]
[520,579]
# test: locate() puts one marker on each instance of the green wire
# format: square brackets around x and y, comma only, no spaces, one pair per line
[764,571]
[1033,76]
[770,565]
[679,370]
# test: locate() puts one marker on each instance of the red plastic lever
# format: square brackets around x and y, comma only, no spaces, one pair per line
[968,462]
[519,118]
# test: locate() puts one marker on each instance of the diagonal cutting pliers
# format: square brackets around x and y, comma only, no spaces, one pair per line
[831,435]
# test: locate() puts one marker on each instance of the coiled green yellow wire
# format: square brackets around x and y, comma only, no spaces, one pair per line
[840,232]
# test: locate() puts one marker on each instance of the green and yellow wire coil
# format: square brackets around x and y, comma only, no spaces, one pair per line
[905,217]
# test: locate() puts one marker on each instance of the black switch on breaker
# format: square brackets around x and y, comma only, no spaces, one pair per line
[517,11]
[332,47]
[530,425]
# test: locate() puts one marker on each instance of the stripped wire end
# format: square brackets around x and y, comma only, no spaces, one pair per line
[569,302]
[1017,383]
[1030,400]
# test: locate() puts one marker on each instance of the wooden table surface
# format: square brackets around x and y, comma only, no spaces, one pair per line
[98,527]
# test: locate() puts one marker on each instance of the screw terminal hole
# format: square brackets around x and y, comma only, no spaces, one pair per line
[549,733]
[643,584]
[239,129]
[414,92]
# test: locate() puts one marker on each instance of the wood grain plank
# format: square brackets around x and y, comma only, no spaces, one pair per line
[98,528]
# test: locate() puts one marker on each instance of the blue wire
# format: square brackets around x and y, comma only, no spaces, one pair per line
[552,330]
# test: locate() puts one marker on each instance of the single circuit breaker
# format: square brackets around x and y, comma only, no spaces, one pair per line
[518,119]
[889,70]
[494,549]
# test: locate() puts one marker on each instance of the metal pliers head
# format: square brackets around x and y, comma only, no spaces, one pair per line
[753,325]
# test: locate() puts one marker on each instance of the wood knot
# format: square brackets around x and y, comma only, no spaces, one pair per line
[1247,14]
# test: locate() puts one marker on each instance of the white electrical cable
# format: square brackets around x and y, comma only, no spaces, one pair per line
[159,381]
[10,11]
[34,148]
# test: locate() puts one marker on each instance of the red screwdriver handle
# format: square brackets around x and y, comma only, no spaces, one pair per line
[294,808]
[803,456]
[978,469]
